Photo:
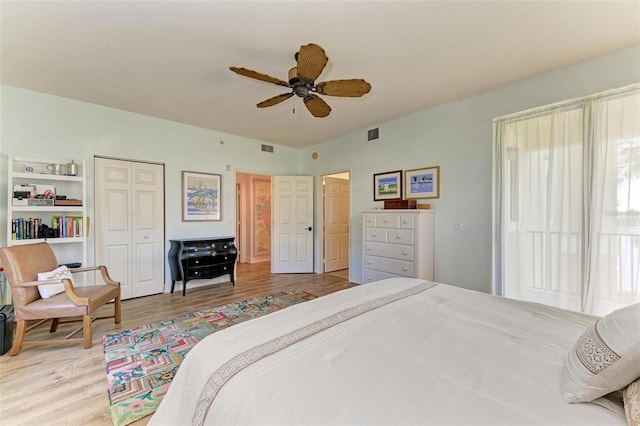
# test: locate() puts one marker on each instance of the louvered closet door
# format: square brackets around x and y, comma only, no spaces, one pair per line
[129,210]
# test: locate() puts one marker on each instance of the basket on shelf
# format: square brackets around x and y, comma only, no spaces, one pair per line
[423,206]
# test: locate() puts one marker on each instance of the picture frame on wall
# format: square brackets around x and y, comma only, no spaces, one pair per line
[201,196]
[387,186]
[422,183]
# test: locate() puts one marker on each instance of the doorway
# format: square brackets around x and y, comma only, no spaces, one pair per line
[253,218]
[334,215]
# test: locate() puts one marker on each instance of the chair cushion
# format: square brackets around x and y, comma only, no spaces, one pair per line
[60,306]
[48,290]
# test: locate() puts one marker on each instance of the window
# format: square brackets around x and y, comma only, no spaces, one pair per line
[567,203]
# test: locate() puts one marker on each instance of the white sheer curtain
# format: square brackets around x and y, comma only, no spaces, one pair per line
[567,203]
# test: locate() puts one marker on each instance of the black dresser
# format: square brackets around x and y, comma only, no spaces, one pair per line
[200,258]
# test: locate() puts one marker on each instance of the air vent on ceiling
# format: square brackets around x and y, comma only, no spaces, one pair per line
[267,148]
[373,134]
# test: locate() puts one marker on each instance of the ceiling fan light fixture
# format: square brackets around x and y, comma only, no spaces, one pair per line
[301,90]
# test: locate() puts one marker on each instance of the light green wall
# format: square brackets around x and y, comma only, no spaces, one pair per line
[38,125]
[458,137]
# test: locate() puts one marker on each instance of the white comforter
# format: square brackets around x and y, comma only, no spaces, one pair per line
[445,356]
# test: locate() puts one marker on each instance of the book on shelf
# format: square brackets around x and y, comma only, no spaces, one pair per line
[68,226]
[26,228]
[61,227]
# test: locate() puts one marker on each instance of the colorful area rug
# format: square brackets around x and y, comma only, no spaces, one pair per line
[142,361]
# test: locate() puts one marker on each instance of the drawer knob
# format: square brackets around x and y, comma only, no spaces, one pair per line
[374,235]
[399,237]
[369,248]
[195,249]
[386,221]
[405,221]
[225,246]
[225,268]
[405,253]
[369,263]
[196,273]
[405,269]
[197,261]
[369,279]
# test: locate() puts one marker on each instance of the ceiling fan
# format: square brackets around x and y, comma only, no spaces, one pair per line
[311,60]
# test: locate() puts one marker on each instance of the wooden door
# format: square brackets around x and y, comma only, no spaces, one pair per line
[129,210]
[336,224]
[292,250]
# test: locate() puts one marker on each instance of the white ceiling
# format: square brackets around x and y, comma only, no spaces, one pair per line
[170,59]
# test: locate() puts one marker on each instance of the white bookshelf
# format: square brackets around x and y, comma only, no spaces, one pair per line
[67,249]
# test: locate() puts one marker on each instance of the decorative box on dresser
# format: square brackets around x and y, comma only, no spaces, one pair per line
[397,243]
[201,258]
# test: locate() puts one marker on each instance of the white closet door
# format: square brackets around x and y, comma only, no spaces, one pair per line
[129,210]
[147,221]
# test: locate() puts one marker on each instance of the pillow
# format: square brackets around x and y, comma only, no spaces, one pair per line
[605,358]
[48,290]
[631,397]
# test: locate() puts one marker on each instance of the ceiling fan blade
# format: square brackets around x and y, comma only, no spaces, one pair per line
[311,61]
[316,106]
[275,100]
[259,76]
[349,88]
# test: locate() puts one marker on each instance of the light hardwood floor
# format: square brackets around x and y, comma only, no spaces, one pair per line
[66,384]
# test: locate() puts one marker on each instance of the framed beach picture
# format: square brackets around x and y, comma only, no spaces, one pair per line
[422,183]
[387,186]
[201,196]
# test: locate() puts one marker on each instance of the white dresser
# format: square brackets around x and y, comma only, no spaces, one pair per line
[397,243]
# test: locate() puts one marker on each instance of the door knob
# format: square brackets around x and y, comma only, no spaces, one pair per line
[308,229]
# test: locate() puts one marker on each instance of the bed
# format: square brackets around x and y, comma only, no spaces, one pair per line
[394,352]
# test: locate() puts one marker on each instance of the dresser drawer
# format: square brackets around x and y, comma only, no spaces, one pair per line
[407,221]
[395,251]
[401,236]
[375,234]
[392,266]
[369,219]
[224,246]
[209,271]
[214,259]
[198,247]
[371,275]
[388,220]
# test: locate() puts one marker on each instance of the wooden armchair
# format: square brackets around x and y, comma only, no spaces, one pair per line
[22,265]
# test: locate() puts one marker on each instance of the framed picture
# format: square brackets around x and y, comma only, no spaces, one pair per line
[200,196]
[422,183]
[387,186]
